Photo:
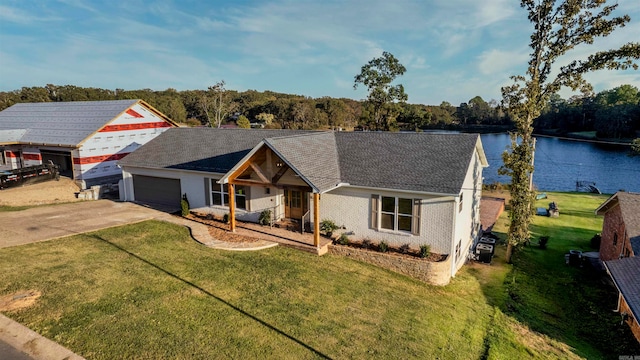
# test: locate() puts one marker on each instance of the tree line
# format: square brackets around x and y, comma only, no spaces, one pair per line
[611,113]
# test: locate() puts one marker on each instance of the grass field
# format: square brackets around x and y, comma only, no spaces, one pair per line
[148,291]
[571,305]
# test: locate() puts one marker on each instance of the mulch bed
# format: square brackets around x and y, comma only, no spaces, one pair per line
[409,253]
[219,229]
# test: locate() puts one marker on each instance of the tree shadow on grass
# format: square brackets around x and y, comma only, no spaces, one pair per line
[206,292]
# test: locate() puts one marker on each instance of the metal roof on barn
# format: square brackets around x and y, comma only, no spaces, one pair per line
[58,123]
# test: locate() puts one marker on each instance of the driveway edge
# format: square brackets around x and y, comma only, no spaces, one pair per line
[31,343]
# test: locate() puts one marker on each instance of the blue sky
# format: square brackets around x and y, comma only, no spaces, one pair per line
[453,50]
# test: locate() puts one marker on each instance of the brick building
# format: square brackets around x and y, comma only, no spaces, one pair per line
[621,228]
[618,249]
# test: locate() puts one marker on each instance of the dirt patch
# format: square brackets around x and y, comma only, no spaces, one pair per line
[49,192]
[19,300]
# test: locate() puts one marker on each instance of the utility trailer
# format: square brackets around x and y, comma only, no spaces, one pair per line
[28,175]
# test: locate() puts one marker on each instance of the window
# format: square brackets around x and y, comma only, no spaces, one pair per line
[615,239]
[3,158]
[396,214]
[460,204]
[220,195]
[458,250]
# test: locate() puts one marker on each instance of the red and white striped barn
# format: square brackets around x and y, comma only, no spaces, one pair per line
[85,138]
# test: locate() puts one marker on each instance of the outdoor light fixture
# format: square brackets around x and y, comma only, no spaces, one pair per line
[279,164]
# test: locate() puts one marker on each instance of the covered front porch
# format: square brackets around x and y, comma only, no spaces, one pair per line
[293,197]
[284,237]
[301,241]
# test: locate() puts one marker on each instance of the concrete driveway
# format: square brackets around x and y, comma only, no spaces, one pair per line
[55,221]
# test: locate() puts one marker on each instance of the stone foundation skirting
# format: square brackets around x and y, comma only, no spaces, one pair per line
[434,273]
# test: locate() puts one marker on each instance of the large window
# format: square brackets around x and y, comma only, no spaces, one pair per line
[395,213]
[220,195]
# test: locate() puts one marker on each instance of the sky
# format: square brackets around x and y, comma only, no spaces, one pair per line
[453,50]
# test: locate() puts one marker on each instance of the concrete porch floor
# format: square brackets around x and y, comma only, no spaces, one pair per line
[282,236]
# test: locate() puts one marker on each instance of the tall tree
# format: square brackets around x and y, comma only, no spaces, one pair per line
[377,75]
[217,104]
[559,26]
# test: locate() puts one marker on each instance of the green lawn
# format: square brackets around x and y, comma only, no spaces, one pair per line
[148,291]
[571,305]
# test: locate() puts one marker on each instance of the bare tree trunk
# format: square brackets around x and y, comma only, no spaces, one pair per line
[509,253]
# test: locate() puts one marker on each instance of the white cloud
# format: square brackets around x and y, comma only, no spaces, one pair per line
[81,4]
[497,61]
[19,16]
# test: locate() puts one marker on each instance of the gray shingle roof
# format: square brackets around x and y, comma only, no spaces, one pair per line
[314,156]
[63,123]
[630,207]
[625,273]
[411,161]
[421,162]
[200,149]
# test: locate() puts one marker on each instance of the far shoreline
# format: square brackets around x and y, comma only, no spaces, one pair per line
[500,129]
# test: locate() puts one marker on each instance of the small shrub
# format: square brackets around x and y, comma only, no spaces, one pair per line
[425,250]
[405,248]
[366,244]
[184,205]
[543,242]
[383,246]
[328,226]
[343,239]
[225,218]
[265,217]
[595,241]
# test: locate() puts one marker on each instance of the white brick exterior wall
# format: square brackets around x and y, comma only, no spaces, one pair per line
[351,208]
[468,220]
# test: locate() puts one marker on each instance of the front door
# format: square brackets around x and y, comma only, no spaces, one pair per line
[294,204]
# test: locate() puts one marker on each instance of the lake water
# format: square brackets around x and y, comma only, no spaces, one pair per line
[560,163]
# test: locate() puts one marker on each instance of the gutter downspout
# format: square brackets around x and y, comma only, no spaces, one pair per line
[452,253]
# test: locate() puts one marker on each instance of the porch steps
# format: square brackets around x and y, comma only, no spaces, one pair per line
[307,248]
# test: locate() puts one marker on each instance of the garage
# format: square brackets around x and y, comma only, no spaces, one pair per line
[157,190]
[60,158]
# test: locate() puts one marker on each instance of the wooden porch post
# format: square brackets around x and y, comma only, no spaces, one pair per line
[316,220]
[232,208]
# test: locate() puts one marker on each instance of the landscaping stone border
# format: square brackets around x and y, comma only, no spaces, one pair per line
[434,273]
